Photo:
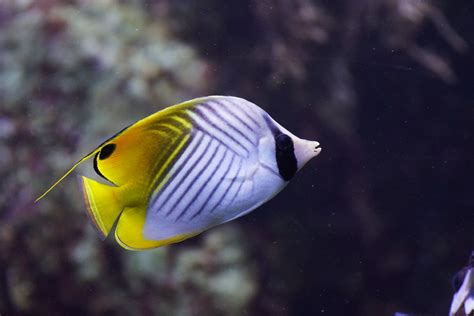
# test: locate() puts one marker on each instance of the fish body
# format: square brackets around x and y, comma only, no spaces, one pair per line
[188,168]
[463,284]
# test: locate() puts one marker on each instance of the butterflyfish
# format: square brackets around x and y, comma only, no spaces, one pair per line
[463,285]
[187,168]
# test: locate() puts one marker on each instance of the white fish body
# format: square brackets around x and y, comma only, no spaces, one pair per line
[237,172]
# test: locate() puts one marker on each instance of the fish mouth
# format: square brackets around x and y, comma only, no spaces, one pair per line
[317,149]
[305,150]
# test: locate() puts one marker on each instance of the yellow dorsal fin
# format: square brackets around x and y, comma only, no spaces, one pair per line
[113,169]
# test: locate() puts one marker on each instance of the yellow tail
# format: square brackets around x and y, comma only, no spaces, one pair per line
[103,204]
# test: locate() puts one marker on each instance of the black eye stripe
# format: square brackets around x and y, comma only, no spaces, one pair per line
[106,151]
[284,142]
[285,156]
[284,151]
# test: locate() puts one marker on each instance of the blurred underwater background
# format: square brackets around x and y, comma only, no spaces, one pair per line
[377,223]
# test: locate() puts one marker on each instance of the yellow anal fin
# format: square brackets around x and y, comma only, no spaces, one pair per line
[103,204]
[129,231]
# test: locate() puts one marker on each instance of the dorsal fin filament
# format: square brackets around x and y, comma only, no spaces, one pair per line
[68,172]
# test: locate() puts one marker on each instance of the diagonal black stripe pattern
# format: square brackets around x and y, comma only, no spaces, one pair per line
[244,113]
[234,115]
[171,133]
[203,186]
[193,181]
[201,129]
[237,192]
[199,113]
[179,168]
[214,189]
[228,188]
[235,129]
[186,175]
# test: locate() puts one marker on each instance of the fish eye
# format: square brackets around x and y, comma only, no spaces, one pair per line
[284,142]
[106,151]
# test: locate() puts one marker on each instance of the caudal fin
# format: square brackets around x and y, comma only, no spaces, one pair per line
[103,204]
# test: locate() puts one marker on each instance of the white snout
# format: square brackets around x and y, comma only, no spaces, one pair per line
[305,150]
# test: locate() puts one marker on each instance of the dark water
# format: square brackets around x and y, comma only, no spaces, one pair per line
[378,223]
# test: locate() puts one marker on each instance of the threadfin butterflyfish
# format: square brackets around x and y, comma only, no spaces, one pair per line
[187,168]
[463,285]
